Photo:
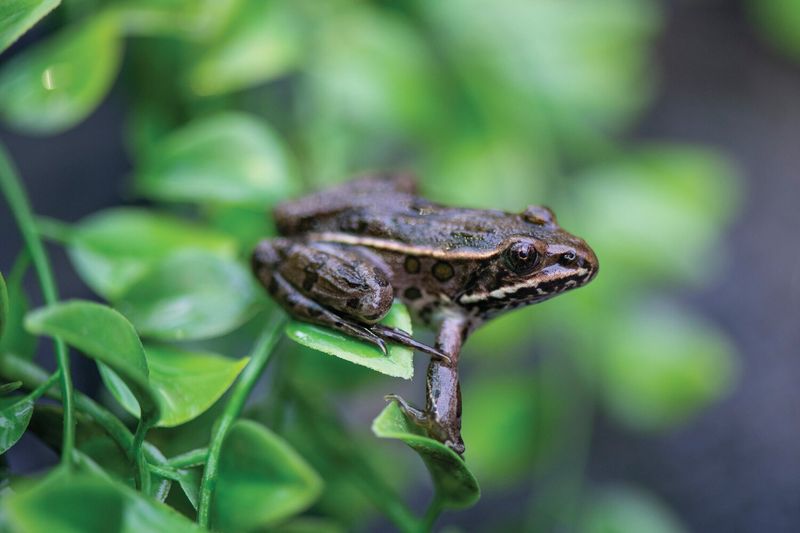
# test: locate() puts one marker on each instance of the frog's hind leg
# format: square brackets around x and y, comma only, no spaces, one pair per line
[332,287]
[266,265]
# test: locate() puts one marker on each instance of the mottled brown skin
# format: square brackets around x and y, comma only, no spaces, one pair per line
[347,252]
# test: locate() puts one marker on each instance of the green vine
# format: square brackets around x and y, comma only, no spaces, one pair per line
[20,208]
[239,394]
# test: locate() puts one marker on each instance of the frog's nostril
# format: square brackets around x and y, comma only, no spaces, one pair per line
[569,258]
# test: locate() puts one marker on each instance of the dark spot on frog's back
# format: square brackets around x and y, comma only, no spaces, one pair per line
[442,271]
[411,265]
[412,293]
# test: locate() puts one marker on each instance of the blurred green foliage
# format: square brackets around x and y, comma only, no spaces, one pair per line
[235,105]
[779,23]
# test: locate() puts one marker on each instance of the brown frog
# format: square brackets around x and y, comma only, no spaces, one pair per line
[346,253]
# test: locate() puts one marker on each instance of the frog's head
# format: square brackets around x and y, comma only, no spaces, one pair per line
[535,261]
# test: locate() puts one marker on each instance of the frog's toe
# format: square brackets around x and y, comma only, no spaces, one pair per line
[416,415]
[401,337]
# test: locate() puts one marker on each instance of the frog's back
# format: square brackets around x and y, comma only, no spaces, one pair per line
[321,211]
[389,210]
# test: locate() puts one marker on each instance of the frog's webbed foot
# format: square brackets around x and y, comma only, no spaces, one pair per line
[426,422]
[401,337]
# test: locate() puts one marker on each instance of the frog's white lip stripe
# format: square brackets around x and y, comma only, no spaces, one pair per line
[394,246]
[502,292]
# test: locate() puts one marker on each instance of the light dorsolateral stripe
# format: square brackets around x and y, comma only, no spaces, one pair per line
[395,246]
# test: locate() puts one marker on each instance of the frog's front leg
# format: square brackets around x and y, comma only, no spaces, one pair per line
[442,415]
[330,286]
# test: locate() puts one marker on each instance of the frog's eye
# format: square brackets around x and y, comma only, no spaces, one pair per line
[521,257]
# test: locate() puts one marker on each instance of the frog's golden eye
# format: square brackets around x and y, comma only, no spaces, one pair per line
[521,257]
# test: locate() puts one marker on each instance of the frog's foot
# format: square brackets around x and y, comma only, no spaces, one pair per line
[401,337]
[426,422]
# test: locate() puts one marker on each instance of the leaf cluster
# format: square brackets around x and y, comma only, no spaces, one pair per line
[235,105]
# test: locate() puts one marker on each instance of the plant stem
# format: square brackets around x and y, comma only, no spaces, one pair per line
[33,377]
[54,229]
[432,514]
[136,453]
[191,458]
[44,387]
[239,394]
[165,472]
[18,202]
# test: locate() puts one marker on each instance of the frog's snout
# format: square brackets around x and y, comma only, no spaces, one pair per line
[586,258]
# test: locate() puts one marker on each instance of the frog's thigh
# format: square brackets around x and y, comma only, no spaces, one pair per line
[339,280]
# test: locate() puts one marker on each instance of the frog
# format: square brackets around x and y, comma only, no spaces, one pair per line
[344,255]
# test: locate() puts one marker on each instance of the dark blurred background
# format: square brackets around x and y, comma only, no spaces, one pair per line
[736,465]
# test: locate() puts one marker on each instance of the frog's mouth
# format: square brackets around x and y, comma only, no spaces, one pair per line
[545,284]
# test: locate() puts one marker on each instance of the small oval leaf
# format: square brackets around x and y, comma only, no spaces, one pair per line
[14,339]
[455,485]
[113,248]
[191,19]
[191,295]
[56,84]
[106,336]
[260,43]
[262,480]
[626,508]
[661,365]
[187,383]
[89,503]
[229,158]
[18,16]
[15,414]
[7,388]
[398,363]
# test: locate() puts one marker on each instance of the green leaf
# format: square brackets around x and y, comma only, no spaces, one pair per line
[649,201]
[187,383]
[113,248]
[247,224]
[455,485]
[583,67]
[310,525]
[779,23]
[3,306]
[103,334]
[15,414]
[191,295]
[88,503]
[7,388]
[14,339]
[191,19]
[90,438]
[229,158]
[372,70]
[257,466]
[58,83]
[621,509]
[520,407]
[466,161]
[18,16]
[662,365]
[398,363]
[93,444]
[261,43]
[189,480]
